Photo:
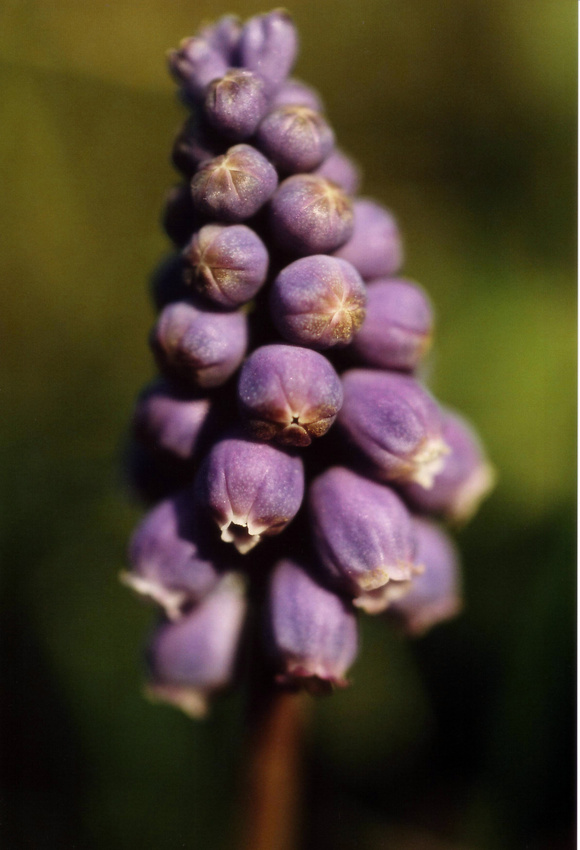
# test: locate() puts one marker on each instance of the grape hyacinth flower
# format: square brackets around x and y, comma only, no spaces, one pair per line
[286,483]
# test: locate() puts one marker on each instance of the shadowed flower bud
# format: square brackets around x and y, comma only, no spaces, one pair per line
[172,561]
[194,65]
[172,422]
[223,36]
[318,301]
[268,46]
[466,478]
[295,138]
[435,594]
[362,531]
[234,186]
[195,143]
[228,264]
[289,394]
[236,103]
[199,347]
[253,489]
[313,631]
[296,93]
[167,282]
[374,248]
[193,658]
[310,215]
[180,218]
[340,169]
[398,327]
[394,424]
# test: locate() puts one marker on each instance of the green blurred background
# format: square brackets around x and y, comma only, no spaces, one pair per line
[462,114]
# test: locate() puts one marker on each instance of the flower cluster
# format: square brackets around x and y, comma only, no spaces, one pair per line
[288,346]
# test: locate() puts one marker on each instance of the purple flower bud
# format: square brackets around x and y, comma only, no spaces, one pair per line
[362,531]
[189,660]
[394,424]
[310,215]
[223,36]
[195,143]
[398,327]
[236,103]
[295,138]
[172,422]
[318,301]
[435,594]
[180,217]
[296,93]
[268,46]
[374,248]
[234,186]
[167,282]
[228,264]
[340,169]
[252,489]
[199,347]
[313,630]
[466,478]
[195,64]
[172,560]
[289,394]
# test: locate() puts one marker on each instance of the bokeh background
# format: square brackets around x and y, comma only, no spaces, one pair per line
[463,118]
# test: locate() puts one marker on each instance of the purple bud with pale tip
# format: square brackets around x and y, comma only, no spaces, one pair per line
[223,36]
[195,64]
[318,302]
[193,658]
[198,347]
[288,394]
[252,489]
[268,46]
[397,331]
[295,138]
[374,248]
[233,187]
[394,425]
[435,594]
[172,422]
[362,531]
[236,103]
[312,630]
[466,478]
[340,169]
[227,264]
[172,560]
[296,93]
[310,215]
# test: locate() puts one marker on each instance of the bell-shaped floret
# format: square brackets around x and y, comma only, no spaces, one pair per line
[199,347]
[340,169]
[466,478]
[227,264]
[394,425]
[312,630]
[295,138]
[268,46]
[310,215]
[193,658]
[236,103]
[172,558]
[194,65]
[374,248]
[252,489]
[233,187]
[362,531]
[318,301]
[398,328]
[288,394]
[435,594]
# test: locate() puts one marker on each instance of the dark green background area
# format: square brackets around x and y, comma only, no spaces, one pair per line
[462,115]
